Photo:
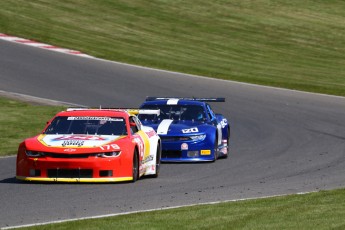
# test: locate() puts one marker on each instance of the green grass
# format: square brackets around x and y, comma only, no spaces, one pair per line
[19,120]
[294,44]
[321,210]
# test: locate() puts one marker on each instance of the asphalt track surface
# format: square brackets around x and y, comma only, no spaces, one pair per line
[283,142]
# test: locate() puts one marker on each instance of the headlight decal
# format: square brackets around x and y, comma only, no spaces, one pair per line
[109,154]
[30,153]
[198,137]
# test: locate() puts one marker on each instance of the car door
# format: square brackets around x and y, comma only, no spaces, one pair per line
[140,137]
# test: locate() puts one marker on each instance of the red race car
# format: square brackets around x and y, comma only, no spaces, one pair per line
[91,145]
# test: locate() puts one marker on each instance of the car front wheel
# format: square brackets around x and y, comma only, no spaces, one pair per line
[135,167]
[215,149]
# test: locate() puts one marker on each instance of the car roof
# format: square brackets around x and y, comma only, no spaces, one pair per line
[94,112]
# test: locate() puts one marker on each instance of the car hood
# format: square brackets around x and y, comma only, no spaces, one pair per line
[80,143]
[171,127]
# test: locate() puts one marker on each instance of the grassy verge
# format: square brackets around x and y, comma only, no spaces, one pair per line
[19,120]
[321,210]
[293,44]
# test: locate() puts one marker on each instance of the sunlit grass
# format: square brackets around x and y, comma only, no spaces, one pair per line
[320,210]
[19,120]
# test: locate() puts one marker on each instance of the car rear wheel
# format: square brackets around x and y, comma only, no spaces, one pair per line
[135,167]
[228,142]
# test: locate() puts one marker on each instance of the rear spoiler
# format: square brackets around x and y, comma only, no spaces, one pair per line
[133,111]
[218,99]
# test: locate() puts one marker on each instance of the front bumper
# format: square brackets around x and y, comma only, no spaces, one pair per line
[91,169]
[75,180]
[187,152]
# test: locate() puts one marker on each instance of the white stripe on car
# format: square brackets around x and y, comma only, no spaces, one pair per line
[164,126]
[172,101]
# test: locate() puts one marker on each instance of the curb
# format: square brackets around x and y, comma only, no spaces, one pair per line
[41,45]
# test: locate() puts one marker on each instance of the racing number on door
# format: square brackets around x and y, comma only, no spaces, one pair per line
[143,143]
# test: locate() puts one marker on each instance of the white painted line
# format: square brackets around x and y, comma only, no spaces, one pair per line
[4,157]
[148,210]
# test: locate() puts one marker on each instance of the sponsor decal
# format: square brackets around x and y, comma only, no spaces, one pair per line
[223,123]
[72,142]
[150,134]
[184,146]
[205,152]
[69,150]
[147,159]
[95,118]
[79,137]
[82,141]
[191,130]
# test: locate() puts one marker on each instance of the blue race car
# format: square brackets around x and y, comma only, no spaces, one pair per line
[190,131]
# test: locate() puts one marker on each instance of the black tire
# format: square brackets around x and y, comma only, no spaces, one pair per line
[215,149]
[135,167]
[158,160]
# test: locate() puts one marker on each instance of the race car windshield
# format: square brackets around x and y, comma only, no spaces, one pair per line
[175,112]
[87,125]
